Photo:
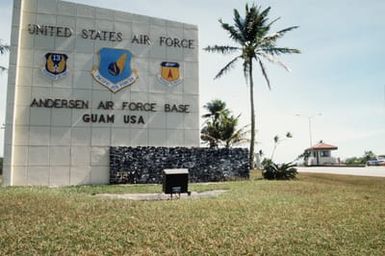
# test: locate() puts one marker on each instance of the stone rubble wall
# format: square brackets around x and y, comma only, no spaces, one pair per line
[141,165]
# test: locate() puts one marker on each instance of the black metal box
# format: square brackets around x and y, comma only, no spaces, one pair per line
[175,181]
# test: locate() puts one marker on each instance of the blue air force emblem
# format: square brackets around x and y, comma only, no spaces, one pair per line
[114,71]
[170,73]
[55,66]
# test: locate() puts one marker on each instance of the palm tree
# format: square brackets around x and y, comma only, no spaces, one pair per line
[220,127]
[278,140]
[224,132]
[230,135]
[210,133]
[3,48]
[216,108]
[255,43]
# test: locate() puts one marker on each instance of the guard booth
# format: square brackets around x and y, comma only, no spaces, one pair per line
[175,181]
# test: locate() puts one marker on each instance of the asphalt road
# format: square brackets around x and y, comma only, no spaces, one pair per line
[375,171]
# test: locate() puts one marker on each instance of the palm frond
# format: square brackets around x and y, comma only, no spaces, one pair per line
[223,49]
[278,51]
[274,21]
[233,33]
[240,136]
[255,21]
[239,22]
[271,39]
[226,68]
[206,115]
[265,12]
[283,31]
[274,60]
[4,48]
[216,108]
[261,18]
[264,73]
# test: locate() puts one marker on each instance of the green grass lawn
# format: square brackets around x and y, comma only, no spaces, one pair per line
[314,215]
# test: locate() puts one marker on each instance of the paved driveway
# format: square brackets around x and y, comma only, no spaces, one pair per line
[377,171]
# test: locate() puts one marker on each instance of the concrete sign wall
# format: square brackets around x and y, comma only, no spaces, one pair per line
[82,79]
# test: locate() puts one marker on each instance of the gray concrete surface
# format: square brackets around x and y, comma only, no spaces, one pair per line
[162,196]
[374,171]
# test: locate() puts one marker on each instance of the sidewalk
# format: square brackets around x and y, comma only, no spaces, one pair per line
[375,171]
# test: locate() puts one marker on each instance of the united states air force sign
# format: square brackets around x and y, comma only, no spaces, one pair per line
[170,73]
[55,66]
[87,78]
[114,71]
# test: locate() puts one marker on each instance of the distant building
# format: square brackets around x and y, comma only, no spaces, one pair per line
[320,154]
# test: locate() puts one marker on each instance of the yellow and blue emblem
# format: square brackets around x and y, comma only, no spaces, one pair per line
[114,71]
[170,73]
[55,66]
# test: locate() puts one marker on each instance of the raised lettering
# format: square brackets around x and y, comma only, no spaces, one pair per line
[177,108]
[190,44]
[135,40]
[95,118]
[31,28]
[106,105]
[161,40]
[132,119]
[60,32]
[51,30]
[41,29]
[104,38]
[84,34]
[67,32]
[60,103]
[34,103]
[86,118]
[147,40]
[119,36]
[140,120]
[176,42]
[112,36]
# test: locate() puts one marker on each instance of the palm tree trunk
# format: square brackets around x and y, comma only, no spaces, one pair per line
[272,153]
[252,141]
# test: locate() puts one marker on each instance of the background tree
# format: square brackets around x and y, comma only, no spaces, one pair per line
[255,43]
[277,141]
[216,108]
[230,134]
[220,127]
[210,133]
[3,49]
[368,155]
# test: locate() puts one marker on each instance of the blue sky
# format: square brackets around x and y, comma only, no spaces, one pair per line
[339,74]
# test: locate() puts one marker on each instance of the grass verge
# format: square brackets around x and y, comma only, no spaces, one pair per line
[317,214]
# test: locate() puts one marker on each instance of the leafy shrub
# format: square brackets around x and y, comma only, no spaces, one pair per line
[272,171]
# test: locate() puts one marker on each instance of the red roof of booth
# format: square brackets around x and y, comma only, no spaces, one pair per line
[322,146]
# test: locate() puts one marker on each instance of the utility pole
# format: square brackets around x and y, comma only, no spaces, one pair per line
[309,118]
